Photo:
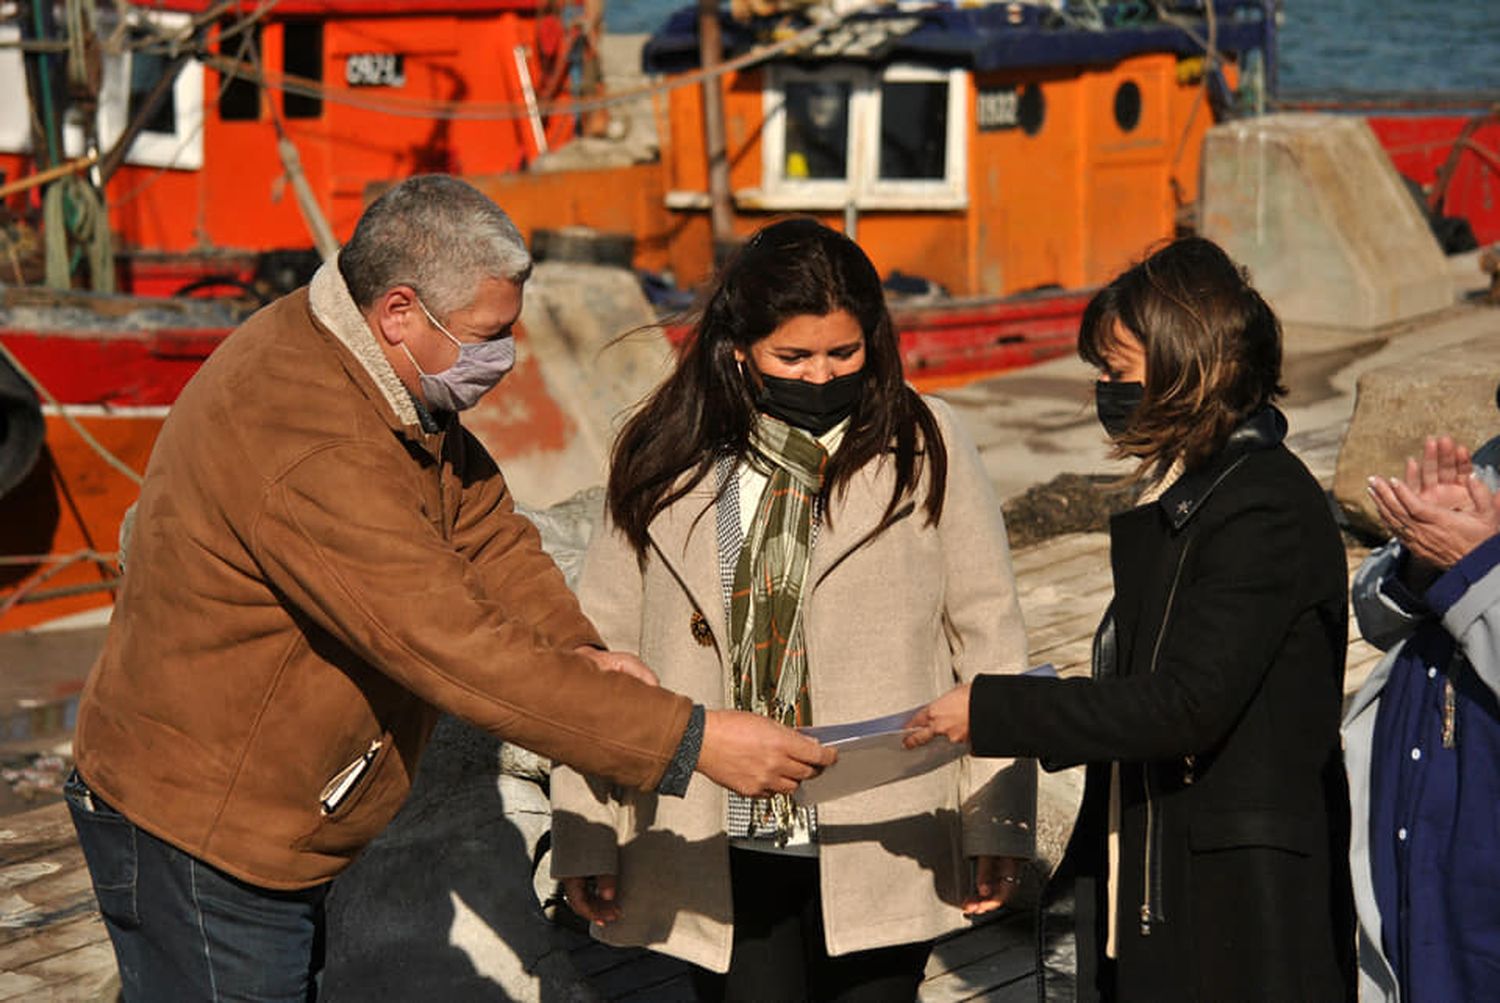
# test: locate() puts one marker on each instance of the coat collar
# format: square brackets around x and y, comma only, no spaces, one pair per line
[1262,430]
[334,310]
[332,307]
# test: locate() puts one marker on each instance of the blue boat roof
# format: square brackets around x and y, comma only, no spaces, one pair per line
[994,37]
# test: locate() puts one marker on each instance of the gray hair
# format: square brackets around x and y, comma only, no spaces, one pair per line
[437,234]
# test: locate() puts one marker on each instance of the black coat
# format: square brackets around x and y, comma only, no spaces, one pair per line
[1218,683]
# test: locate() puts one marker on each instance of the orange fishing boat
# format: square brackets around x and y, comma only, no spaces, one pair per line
[996,161]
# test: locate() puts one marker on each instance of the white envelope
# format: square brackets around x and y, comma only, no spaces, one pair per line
[873,760]
[871,754]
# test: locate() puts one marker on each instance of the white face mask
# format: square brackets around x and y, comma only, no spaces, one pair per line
[480,366]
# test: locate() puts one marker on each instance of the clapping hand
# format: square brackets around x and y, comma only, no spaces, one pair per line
[1441,511]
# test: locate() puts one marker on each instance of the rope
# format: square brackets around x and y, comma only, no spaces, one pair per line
[60,564]
[97,556]
[50,174]
[83,433]
[1212,59]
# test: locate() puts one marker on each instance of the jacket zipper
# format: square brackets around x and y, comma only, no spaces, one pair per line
[1151,892]
[337,790]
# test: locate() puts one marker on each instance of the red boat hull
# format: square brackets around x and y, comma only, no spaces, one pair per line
[1420,146]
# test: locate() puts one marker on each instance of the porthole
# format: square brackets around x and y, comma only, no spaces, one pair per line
[1128,106]
[1032,111]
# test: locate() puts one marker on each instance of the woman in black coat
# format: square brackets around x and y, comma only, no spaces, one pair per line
[1207,862]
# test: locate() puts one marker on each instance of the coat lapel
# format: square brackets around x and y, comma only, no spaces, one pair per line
[686,537]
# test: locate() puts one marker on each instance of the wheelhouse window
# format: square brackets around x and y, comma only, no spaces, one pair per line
[817,130]
[890,137]
[913,130]
[239,97]
[302,56]
[147,68]
[172,136]
[173,133]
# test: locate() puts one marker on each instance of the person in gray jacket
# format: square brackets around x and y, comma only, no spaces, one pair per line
[1422,736]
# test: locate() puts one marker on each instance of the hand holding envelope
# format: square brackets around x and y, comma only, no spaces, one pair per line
[948,715]
[883,750]
[871,754]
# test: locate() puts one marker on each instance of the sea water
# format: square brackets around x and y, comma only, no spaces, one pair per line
[1326,45]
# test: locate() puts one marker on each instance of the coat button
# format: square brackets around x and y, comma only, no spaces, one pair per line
[702,632]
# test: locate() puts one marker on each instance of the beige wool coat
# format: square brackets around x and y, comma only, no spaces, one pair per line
[892,621]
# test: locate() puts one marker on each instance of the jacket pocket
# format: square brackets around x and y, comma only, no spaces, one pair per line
[1233,830]
[344,784]
[357,801]
[108,841]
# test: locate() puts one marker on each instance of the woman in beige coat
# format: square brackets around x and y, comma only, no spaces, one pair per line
[793,531]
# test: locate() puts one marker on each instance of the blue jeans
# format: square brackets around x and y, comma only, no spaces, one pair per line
[183,930]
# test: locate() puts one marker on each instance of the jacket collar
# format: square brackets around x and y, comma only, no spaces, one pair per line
[333,308]
[1262,430]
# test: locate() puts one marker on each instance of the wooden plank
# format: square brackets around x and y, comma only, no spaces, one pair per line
[1016,960]
[1065,574]
[1066,608]
[649,969]
[59,896]
[1020,991]
[57,938]
[34,832]
[968,946]
[1080,626]
[1059,548]
[1071,657]
[86,973]
[595,957]
[675,990]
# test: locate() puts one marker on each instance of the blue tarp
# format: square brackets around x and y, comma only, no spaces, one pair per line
[995,37]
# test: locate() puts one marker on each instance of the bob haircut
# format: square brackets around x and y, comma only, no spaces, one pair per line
[1212,346]
[706,407]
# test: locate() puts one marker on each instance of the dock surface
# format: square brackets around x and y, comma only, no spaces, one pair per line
[1029,426]
[53,945]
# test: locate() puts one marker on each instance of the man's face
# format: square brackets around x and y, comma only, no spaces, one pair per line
[495,308]
[410,339]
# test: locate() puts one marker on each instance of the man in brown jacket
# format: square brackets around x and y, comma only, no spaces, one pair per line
[322,559]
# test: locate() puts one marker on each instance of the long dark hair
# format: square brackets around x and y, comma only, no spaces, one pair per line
[706,407]
[1213,351]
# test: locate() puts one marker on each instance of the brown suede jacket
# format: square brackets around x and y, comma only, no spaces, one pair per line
[309,579]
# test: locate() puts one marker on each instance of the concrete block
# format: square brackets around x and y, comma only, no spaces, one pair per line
[587,353]
[1451,391]
[1311,204]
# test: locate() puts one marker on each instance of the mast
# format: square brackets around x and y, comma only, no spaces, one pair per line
[710,54]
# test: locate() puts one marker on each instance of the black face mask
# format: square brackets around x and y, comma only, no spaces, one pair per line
[813,407]
[1116,402]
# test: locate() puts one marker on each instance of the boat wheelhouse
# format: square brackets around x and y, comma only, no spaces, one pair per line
[364,91]
[990,150]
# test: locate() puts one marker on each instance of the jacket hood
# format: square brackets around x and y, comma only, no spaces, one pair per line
[1262,430]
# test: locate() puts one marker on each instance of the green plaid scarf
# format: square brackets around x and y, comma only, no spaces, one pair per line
[765,607]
